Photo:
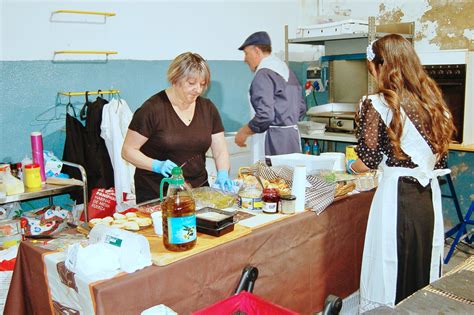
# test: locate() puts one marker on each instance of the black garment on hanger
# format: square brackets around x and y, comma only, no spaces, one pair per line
[100,173]
[74,151]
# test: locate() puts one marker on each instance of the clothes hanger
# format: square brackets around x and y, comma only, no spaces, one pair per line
[70,106]
[83,113]
[51,114]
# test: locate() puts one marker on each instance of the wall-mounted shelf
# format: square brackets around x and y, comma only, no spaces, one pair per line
[85,52]
[322,40]
[84,12]
[89,93]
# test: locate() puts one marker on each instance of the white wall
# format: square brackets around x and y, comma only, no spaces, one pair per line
[161,29]
[143,30]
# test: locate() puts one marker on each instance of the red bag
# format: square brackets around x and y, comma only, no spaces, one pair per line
[247,303]
[102,203]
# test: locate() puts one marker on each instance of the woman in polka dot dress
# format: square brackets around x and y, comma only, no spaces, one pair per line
[404,130]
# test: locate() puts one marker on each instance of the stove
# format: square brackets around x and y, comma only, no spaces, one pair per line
[338,117]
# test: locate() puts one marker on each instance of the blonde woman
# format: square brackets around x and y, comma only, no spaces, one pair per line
[404,129]
[174,127]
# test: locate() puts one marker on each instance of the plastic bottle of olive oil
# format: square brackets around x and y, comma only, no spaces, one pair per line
[179,214]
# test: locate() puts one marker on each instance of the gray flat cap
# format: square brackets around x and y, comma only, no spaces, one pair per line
[258,38]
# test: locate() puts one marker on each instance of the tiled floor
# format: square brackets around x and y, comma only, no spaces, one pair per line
[460,254]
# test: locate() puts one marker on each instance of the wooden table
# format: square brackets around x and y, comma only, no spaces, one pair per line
[301,260]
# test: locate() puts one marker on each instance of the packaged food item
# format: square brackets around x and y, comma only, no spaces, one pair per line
[271,199]
[212,197]
[287,204]
[179,213]
[250,197]
[32,176]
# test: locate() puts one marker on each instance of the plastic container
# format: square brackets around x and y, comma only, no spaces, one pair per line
[9,241]
[32,176]
[179,213]
[250,198]
[213,218]
[244,303]
[229,227]
[214,222]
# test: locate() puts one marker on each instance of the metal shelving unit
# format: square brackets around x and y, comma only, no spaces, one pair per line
[352,44]
[48,191]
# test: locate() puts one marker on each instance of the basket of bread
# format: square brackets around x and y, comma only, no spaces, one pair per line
[249,177]
[128,221]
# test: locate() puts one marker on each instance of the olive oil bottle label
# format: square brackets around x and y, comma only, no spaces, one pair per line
[181,230]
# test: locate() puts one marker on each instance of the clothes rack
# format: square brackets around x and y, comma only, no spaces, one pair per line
[99,92]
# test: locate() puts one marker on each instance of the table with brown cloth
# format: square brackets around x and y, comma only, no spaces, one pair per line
[301,260]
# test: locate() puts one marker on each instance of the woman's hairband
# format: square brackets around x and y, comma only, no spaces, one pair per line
[370,51]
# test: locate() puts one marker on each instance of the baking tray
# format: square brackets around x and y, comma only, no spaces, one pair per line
[213,218]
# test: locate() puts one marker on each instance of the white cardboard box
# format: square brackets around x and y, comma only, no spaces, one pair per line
[334,28]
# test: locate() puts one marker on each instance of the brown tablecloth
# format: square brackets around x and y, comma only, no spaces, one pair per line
[301,260]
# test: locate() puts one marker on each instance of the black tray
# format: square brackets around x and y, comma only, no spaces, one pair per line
[229,227]
[213,218]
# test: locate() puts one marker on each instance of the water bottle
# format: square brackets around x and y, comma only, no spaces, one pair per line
[179,213]
[307,148]
[315,150]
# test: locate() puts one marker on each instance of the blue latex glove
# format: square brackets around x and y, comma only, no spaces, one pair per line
[223,180]
[163,167]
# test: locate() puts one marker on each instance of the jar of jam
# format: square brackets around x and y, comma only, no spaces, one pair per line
[270,198]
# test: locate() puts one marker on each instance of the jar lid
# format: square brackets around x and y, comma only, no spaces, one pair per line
[288,197]
[33,165]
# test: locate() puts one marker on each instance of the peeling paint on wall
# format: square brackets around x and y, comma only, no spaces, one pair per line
[389,16]
[454,23]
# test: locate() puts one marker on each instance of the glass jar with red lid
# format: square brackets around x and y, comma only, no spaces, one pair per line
[271,199]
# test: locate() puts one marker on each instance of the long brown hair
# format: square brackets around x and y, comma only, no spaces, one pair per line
[405,84]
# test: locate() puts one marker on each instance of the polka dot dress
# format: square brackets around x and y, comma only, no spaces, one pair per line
[373,140]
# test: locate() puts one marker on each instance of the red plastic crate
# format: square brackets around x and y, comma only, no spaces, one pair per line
[247,303]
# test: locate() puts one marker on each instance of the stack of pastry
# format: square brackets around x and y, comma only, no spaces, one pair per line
[129,221]
[343,188]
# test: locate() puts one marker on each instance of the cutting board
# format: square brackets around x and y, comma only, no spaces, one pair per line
[162,257]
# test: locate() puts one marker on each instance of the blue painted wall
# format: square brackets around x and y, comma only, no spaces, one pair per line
[29,102]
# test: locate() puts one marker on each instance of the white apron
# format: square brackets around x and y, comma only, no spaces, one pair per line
[379,262]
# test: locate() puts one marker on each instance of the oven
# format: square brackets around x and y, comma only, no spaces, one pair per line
[452,81]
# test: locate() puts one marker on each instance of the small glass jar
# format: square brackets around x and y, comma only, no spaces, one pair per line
[287,204]
[270,199]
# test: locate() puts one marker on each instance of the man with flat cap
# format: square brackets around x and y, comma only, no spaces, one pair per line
[276,97]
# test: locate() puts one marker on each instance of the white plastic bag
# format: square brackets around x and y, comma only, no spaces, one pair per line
[132,249]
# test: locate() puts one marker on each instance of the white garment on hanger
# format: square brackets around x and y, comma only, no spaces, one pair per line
[116,116]
[378,282]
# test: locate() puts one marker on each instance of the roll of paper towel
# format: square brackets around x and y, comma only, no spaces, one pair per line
[299,187]
[339,160]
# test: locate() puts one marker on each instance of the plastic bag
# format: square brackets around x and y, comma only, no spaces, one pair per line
[244,303]
[132,250]
[46,221]
[214,198]
[52,165]
[102,203]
